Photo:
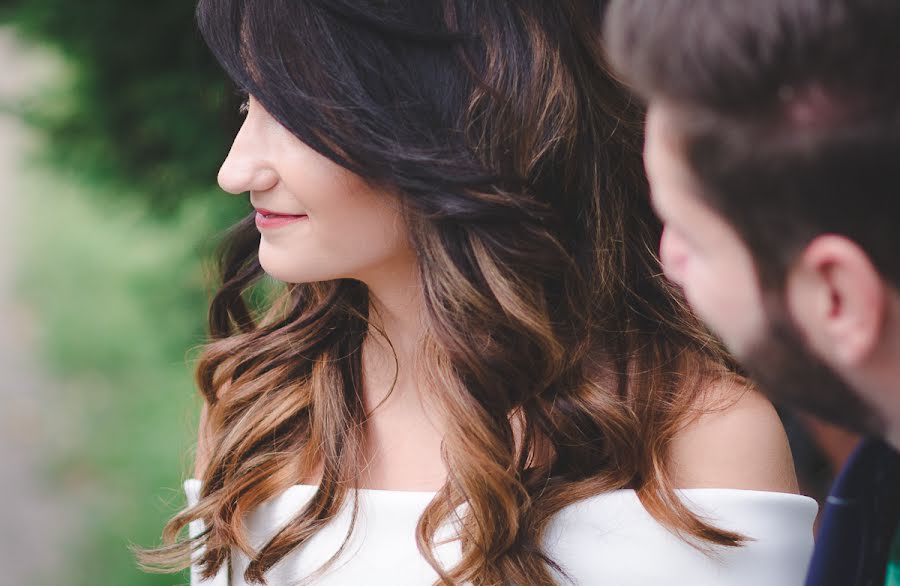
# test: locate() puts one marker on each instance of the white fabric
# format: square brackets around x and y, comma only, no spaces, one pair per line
[606,540]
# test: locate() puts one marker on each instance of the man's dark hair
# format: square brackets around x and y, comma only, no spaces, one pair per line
[788,114]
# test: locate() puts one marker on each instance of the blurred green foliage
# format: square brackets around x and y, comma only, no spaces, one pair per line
[119,217]
[119,298]
[148,111]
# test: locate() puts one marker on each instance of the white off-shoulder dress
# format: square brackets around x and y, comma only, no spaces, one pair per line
[605,540]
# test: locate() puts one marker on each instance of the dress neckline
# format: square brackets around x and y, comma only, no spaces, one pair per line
[376,492]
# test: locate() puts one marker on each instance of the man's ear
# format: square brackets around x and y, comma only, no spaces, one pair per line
[837,298]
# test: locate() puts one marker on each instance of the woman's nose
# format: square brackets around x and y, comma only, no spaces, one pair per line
[246,168]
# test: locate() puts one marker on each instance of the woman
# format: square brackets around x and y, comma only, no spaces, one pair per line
[474,372]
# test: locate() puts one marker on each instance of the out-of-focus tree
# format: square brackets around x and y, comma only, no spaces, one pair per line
[147,109]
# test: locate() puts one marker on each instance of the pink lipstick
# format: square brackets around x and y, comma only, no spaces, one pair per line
[267,219]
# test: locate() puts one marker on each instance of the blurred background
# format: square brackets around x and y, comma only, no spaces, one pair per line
[113,121]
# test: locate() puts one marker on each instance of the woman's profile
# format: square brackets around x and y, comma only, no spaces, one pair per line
[473,371]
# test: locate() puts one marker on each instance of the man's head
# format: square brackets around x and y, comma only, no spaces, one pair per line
[773,151]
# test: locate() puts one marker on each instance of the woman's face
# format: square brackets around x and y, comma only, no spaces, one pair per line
[317,220]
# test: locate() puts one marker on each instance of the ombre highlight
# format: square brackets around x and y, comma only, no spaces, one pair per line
[562,360]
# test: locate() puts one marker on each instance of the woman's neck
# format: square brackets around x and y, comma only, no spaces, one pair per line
[403,434]
[396,312]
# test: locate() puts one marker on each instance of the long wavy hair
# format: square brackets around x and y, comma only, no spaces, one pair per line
[565,363]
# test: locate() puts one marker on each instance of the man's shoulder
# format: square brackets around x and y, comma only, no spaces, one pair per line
[860,520]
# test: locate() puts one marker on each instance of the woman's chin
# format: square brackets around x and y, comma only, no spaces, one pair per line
[289,277]
[287,272]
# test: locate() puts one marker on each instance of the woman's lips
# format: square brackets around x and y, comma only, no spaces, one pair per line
[269,219]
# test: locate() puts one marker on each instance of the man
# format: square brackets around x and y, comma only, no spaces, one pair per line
[773,152]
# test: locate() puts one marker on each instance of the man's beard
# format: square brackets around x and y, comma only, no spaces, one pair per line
[781,362]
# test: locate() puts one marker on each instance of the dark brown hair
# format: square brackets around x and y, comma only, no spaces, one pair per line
[788,114]
[518,161]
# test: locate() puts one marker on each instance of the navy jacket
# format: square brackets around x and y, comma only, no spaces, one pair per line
[859,521]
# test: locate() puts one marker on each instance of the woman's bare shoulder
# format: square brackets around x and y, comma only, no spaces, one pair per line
[738,441]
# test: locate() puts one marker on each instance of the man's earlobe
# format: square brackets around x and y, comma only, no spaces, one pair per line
[838,298]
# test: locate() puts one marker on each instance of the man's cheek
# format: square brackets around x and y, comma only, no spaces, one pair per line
[711,302]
